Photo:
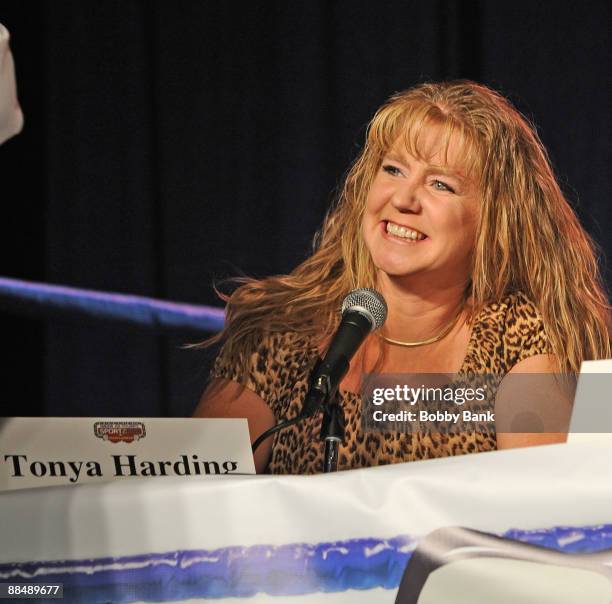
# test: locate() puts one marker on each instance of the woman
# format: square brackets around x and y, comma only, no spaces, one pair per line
[453,213]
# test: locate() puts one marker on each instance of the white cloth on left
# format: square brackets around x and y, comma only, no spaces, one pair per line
[11,117]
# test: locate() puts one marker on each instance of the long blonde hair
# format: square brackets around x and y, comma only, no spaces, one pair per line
[529,238]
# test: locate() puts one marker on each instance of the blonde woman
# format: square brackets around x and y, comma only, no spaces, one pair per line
[452,212]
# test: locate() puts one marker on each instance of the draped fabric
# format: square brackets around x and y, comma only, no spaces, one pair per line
[11,118]
[170,144]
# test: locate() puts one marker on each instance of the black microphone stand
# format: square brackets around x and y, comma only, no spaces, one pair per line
[332,432]
[332,426]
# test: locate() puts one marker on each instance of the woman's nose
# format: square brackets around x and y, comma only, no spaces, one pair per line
[406,198]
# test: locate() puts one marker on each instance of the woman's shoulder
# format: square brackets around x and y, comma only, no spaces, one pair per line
[513,313]
[508,331]
[270,365]
[287,343]
[516,305]
[516,315]
[276,349]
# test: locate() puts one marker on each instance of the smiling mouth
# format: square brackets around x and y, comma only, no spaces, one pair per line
[404,233]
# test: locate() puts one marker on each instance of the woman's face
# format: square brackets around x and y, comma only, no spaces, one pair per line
[421,216]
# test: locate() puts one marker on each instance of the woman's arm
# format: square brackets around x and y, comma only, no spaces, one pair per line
[225,398]
[532,397]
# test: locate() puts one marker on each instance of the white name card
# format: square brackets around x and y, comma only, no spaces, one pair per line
[44,451]
[592,404]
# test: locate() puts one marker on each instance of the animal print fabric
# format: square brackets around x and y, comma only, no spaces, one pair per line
[502,335]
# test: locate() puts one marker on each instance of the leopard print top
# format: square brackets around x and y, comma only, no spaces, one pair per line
[502,335]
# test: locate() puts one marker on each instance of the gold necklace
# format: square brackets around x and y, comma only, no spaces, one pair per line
[442,334]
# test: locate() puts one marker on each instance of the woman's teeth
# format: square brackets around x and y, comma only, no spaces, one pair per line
[403,232]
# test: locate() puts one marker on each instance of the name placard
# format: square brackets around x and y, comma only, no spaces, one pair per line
[46,451]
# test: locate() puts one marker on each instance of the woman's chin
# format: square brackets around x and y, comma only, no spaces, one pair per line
[395,271]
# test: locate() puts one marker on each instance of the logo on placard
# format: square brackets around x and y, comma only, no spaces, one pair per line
[120,432]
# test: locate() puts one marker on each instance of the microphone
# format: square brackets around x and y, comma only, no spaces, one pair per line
[363,311]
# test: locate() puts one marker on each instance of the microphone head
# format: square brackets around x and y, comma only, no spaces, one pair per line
[369,303]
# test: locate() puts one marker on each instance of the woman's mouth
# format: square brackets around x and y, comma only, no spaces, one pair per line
[403,233]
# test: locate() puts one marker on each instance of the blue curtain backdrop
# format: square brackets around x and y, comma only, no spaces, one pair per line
[167,144]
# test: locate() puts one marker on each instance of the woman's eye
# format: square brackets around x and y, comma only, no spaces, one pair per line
[441,186]
[391,170]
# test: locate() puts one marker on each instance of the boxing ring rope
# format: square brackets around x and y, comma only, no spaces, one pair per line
[42,299]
